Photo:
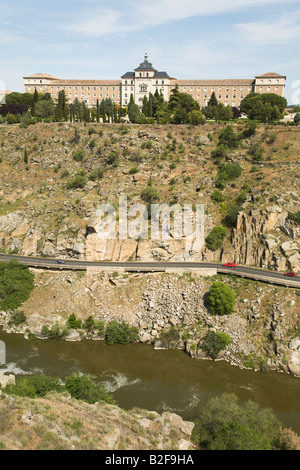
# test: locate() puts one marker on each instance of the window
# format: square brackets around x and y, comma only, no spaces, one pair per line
[220,96]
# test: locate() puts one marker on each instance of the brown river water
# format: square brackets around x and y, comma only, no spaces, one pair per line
[139,376]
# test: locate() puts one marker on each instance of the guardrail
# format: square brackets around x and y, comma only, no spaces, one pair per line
[139,268]
[263,278]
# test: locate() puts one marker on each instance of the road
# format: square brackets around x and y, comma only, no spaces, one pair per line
[263,275]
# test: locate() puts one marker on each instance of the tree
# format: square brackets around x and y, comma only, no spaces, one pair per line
[297,119]
[229,138]
[82,388]
[135,114]
[263,107]
[150,195]
[215,239]
[44,109]
[73,322]
[226,424]
[120,333]
[232,214]
[25,156]
[213,100]
[16,283]
[213,343]
[221,299]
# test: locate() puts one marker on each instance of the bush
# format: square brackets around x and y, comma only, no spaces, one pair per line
[34,386]
[78,182]
[120,333]
[232,214]
[16,283]
[217,196]
[295,217]
[228,172]
[229,138]
[225,424]
[213,343]
[55,332]
[215,239]
[82,388]
[17,317]
[73,322]
[78,156]
[221,299]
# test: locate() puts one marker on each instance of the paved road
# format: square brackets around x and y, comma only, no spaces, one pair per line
[254,273]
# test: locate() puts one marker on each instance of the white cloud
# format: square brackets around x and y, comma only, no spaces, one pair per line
[281,30]
[161,11]
[133,16]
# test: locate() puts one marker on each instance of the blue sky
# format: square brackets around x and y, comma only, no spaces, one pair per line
[101,39]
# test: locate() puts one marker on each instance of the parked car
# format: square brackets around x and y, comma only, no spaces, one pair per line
[291,274]
[60,261]
[229,265]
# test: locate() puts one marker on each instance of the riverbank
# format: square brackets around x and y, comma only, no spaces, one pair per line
[169,312]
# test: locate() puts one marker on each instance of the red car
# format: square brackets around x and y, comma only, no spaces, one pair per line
[291,274]
[229,265]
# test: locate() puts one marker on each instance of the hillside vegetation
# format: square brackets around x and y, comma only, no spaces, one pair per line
[55,176]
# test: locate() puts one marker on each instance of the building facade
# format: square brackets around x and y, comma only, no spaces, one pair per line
[145,79]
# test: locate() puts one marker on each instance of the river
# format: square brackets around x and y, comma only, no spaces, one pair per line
[139,376]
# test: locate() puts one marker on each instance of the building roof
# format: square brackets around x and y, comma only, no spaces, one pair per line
[270,74]
[128,75]
[41,75]
[146,65]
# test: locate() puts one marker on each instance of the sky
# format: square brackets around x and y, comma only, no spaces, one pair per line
[188,39]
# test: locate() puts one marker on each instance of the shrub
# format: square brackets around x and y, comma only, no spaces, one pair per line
[229,138]
[295,217]
[17,317]
[221,299]
[73,322]
[16,283]
[82,388]
[78,156]
[225,424]
[34,386]
[55,332]
[217,196]
[78,182]
[96,175]
[213,343]
[232,214]
[215,239]
[120,333]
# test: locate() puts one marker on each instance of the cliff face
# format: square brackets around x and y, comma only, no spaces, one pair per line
[267,239]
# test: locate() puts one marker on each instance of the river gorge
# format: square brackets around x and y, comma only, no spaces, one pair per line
[160,380]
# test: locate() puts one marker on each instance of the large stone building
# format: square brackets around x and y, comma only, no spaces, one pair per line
[146,79]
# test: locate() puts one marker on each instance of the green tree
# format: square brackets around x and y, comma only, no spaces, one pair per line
[16,284]
[213,343]
[83,388]
[135,114]
[73,322]
[221,299]
[297,119]
[44,109]
[120,333]
[215,239]
[226,424]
